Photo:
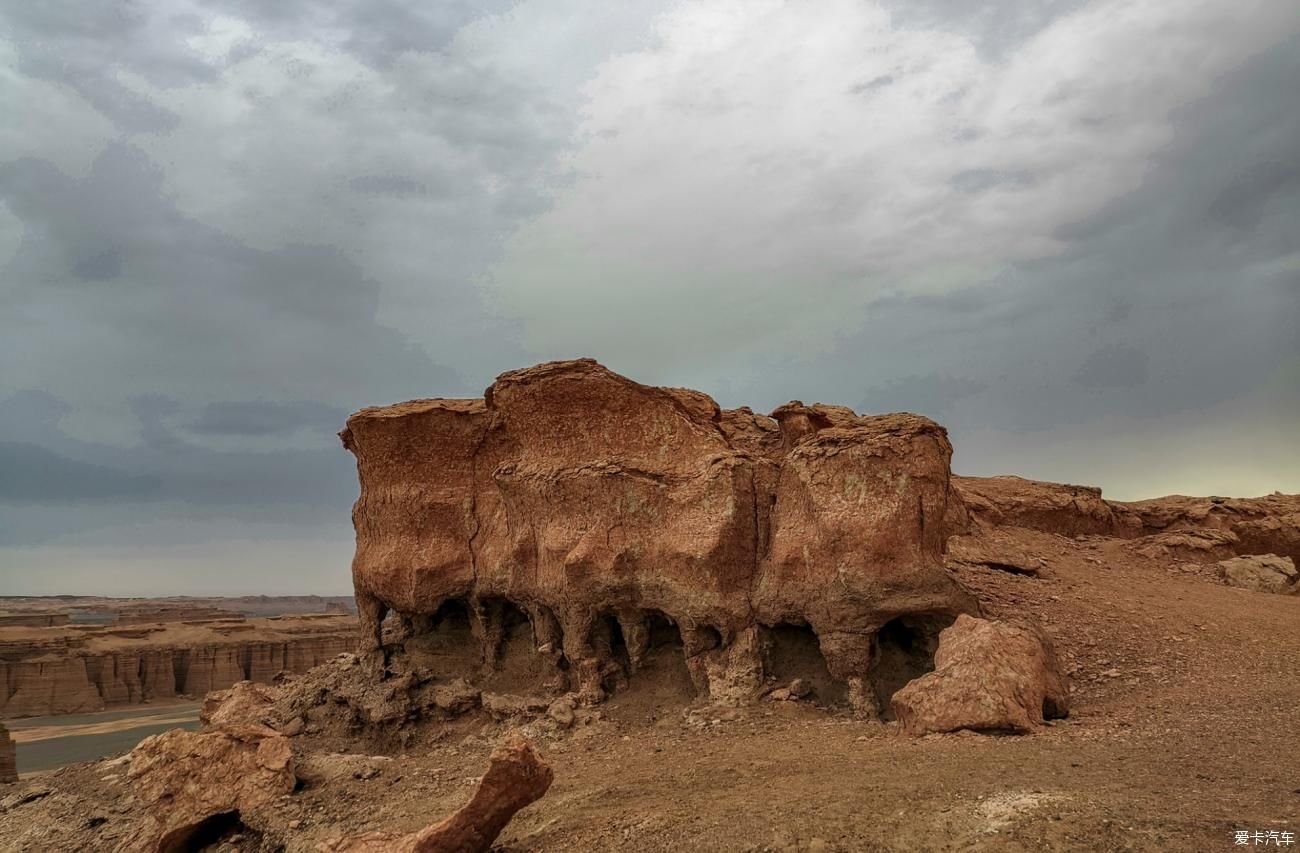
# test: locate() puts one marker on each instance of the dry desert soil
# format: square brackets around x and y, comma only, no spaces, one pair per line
[1184,730]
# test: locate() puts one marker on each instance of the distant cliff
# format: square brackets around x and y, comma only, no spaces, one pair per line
[79,669]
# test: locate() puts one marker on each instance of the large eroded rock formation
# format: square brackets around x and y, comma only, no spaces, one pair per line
[603,518]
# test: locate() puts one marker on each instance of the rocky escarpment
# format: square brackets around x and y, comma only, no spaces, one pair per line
[8,757]
[56,671]
[1216,525]
[584,521]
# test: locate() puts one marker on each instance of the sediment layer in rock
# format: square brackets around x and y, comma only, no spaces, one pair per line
[1263,525]
[596,518]
[70,670]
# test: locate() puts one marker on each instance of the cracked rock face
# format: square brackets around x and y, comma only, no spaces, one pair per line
[599,518]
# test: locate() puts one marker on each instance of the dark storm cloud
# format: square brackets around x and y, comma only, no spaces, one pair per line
[166,474]
[932,395]
[203,285]
[189,302]
[34,474]
[267,418]
[1177,297]
[1113,367]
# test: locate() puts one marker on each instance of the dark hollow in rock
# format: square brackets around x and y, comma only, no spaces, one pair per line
[207,832]
[793,651]
[903,649]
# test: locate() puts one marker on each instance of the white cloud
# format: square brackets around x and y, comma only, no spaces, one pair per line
[760,173]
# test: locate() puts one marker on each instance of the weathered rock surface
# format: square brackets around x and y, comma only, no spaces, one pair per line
[185,780]
[8,757]
[516,776]
[66,670]
[988,677]
[1262,573]
[1059,508]
[245,702]
[585,518]
[1263,525]
[996,548]
[1191,544]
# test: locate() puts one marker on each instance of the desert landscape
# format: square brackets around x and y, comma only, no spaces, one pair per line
[599,615]
[552,426]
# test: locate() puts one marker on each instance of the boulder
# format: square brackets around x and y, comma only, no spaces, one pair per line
[516,776]
[245,702]
[186,780]
[1261,573]
[1193,544]
[590,518]
[988,677]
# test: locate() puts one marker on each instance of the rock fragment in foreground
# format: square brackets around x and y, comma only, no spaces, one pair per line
[515,777]
[988,677]
[1261,573]
[189,781]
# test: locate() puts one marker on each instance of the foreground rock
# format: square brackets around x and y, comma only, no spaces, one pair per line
[586,520]
[1261,573]
[988,677]
[8,757]
[515,777]
[189,783]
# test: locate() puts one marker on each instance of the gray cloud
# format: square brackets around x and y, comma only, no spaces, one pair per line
[267,418]
[228,223]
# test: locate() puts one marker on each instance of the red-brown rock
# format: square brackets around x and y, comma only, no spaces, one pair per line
[601,510]
[183,779]
[1263,525]
[515,777]
[988,677]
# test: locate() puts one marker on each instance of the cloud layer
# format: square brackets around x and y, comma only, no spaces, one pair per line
[1067,230]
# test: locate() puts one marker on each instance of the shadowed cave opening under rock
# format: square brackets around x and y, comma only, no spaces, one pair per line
[651,671]
[793,651]
[902,650]
[512,663]
[445,642]
[608,643]
[206,833]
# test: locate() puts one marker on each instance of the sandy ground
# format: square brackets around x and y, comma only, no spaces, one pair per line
[1185,729]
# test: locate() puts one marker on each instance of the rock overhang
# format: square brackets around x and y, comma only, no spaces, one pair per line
[578,494]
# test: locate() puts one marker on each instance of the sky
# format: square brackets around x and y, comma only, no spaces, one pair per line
[1069,231]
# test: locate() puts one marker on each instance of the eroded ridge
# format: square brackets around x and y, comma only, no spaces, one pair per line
[573,523]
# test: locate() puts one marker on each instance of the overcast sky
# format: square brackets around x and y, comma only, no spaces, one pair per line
[1069,231]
